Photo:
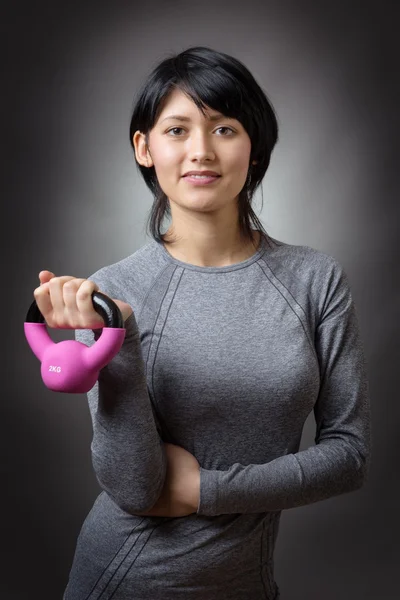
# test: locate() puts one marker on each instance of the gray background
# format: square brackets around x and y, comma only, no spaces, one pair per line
[72,202]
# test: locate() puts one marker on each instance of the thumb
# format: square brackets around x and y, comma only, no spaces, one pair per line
[125,308]
[45,276]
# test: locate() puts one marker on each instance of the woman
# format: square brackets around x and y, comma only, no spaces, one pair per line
[232,338]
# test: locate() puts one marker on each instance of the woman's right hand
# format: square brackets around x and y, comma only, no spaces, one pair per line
[66,302]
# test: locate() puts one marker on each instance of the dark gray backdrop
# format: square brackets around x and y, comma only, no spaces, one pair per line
[72,202]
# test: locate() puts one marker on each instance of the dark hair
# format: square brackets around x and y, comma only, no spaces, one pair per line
[214,79]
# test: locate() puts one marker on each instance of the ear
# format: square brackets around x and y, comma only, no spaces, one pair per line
[142,152]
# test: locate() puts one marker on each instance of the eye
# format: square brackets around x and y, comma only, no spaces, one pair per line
[173,129]
[181,129]
[231,130]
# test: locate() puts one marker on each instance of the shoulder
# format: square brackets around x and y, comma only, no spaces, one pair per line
[301,267]
[302,258]
[130,278]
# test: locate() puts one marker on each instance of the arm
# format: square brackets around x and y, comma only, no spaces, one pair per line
[127,452]
[339,462]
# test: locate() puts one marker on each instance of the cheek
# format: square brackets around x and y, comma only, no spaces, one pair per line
[237,158]
[238,169]
[166,162]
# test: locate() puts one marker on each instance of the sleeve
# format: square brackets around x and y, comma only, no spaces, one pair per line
[127,452]
[340,460]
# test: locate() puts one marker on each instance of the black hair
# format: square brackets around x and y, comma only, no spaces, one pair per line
[214,79]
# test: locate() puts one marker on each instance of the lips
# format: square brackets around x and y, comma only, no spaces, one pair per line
[209,173]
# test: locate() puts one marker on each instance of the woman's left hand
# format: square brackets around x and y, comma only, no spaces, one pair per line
[181,492]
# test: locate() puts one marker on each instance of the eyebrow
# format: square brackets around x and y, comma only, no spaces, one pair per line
[183,118]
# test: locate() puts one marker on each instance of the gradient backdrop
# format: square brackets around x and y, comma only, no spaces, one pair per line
[73,202]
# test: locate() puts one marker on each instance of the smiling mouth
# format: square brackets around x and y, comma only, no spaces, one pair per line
[198,175]
[201,180]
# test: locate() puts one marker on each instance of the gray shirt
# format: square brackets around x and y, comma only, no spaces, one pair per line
[226,362]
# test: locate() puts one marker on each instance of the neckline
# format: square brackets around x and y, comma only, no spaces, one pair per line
[225,269]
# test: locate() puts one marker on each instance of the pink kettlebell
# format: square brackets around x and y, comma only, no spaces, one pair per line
[71,366]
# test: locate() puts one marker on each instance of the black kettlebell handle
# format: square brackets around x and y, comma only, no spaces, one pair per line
[102,304]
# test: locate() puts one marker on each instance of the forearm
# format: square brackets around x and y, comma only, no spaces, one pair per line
[293,480]
[127,452]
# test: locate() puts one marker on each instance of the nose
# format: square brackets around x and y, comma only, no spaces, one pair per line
[200,147]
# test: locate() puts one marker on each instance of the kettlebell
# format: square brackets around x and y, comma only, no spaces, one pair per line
[71,366]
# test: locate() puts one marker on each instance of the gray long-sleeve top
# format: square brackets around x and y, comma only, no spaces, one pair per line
[226,362]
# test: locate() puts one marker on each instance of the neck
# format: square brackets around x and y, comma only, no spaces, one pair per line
[210,247]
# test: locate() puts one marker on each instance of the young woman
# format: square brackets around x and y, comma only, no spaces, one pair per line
[232,338]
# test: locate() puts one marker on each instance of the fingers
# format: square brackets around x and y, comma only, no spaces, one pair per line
[61,313]
[77,295]
[66,299]
[45,276]
[43,300]
[66,302]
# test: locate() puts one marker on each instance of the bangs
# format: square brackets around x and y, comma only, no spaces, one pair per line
[206,84]
[216,91]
